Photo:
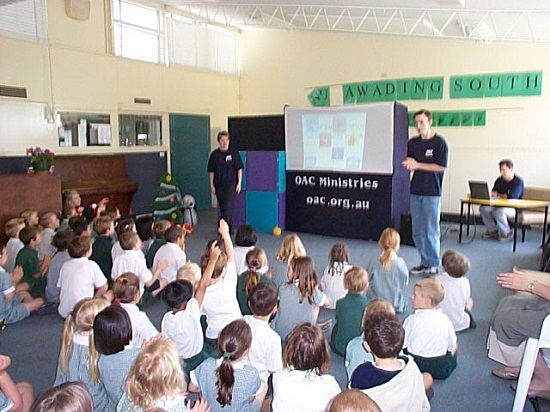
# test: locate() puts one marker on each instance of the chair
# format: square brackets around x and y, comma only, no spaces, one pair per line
[528,364]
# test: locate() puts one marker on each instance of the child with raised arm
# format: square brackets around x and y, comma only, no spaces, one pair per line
[173,252]
[300,297]
[257,272]
[291,247]
[349,309]
[89,280]
[229,384]
[127,293]
[76,359]
[183,323]
[132,260]
[394,382]
[13,396]
[304,384]
[429,334]
[14,245]
[266,351]
[220,301]
[332,281]
[388,273]
[14,306]
[457,303]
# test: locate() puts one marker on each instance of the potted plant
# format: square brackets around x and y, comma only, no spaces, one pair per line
[41,158]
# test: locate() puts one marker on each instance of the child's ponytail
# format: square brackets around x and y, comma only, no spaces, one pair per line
[226,379]
[389,243]
[233,342]
[256,260]
[69,328]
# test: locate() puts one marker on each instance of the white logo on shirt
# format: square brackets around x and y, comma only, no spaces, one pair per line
[429,153]
[228,158]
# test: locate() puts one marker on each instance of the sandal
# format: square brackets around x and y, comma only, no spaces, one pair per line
[505,373]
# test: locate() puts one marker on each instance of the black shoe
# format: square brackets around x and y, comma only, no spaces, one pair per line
[47,309]
[418,270]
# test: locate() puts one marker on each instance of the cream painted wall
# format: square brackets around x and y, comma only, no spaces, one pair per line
[281,67]
[85,78]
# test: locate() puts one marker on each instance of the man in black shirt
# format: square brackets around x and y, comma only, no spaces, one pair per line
[225,170]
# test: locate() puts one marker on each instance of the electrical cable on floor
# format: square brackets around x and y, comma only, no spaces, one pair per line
[466,239]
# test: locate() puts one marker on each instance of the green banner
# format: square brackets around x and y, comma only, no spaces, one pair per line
[320,96]
[496,85]
[454,118]
[392,90]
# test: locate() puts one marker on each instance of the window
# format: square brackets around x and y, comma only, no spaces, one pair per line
[202,46]
[146,33]
[138,32]
[25,19]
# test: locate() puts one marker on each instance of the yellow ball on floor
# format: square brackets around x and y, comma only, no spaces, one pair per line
[277,231]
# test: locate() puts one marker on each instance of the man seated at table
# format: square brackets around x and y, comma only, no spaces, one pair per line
[507,186]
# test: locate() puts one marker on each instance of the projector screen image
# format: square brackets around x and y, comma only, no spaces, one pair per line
[347,139]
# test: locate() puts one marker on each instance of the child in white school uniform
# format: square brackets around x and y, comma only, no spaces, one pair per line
[245,241]
[183,323]
[266,351]
[132,260]
[429,334]
[457,303]
[126,290]
[172,252]
[220,303]
[89,281]
[14,245]
[304,384]
[332,281]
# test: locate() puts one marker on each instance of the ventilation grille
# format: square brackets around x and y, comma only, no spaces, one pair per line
[12,91]
[142,100]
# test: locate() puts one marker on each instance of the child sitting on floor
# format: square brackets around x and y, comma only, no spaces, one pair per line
[457,303]
[332,281]
[258,271]
[291,247]
[74,358]
[429,334]
[33,279]
[159,228]
[245,240]
[300,297]
[50,222]
[14,306]
[13,396]
[304,384]
[394,382]
[173,252]
[127,293]
[89,282]
[349,309]
[183,323]
[220,301]
[357,351]
[266,351]
[101,249]
[229,384]
[61,242]
[14,245]
[388,273]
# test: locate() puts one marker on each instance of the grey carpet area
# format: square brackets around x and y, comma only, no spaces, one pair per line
[34,343]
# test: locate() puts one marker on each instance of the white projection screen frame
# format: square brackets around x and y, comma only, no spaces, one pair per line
[354,139]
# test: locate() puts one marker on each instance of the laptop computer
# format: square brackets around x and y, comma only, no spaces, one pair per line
[479,190]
